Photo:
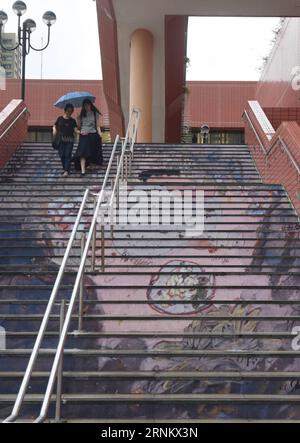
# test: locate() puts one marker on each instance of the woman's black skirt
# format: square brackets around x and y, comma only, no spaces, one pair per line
[90,148]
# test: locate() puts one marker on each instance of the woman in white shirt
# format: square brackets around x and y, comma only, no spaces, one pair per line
[90,140]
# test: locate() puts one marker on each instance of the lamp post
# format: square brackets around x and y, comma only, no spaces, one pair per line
[24,35]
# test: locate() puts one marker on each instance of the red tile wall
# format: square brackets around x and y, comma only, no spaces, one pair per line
[279,115]
[42,94]
[274,165]
[175,52]
[16,134]
[220,104]
[110,65]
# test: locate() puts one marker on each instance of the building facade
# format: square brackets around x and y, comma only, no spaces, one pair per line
[11,60]
[221,110]
[219,104]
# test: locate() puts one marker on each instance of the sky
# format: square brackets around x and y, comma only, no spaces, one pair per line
[219,48]
[74,48]
[228,48]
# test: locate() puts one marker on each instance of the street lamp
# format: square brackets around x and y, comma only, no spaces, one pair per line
[24,34]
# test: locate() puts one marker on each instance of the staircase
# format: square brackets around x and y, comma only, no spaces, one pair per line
[176,328]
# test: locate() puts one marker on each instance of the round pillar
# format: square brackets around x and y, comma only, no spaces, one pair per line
[141,81]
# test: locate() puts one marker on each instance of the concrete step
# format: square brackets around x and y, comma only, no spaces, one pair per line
[87,383]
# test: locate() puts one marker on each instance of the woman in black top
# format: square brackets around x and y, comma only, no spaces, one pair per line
[66,127]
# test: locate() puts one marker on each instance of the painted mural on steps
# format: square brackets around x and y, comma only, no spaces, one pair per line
[260,252]
[194,279]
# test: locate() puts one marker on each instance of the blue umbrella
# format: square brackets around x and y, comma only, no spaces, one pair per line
[75,98]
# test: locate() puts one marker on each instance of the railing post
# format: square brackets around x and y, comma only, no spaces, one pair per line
[60,367]
[102,248]
[123,157]
[112,231]
[118,193]
[94,243]
[112,209]
[117,183]
[126,167]
[81,289]
[122,170]
[130,162]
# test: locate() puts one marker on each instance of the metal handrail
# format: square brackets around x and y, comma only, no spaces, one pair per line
[126,150]
[78,282]
[14,121]
[24,385]
[288,152]
[61,344]
[275,142]
[255,132]
[136,115]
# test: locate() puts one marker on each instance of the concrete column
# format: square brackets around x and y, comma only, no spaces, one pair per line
[141,80]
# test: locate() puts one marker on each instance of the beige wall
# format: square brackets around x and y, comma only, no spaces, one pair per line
[141,81]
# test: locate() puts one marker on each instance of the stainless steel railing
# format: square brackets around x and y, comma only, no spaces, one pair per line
[127,150]
[255,132]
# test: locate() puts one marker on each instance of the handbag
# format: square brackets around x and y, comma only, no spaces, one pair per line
[56,142]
